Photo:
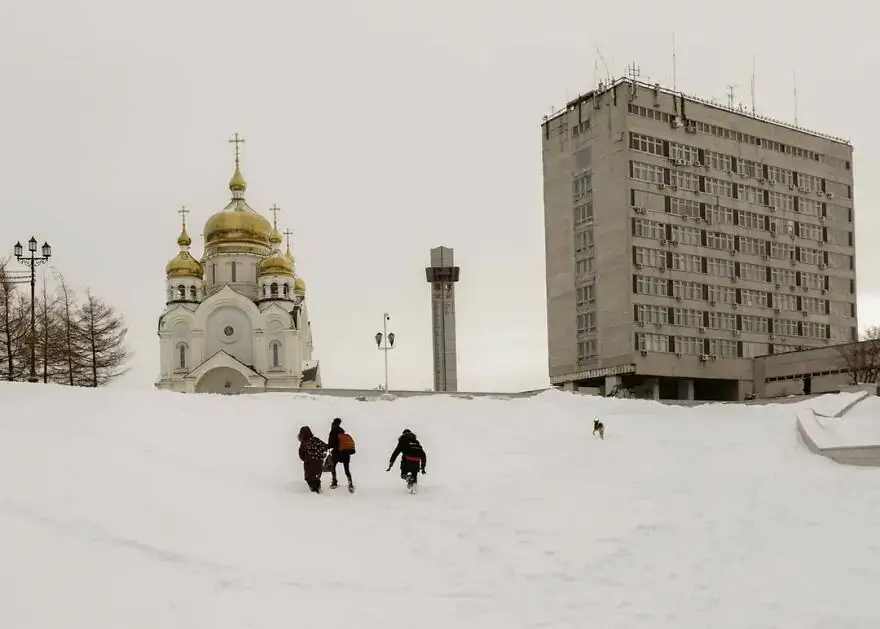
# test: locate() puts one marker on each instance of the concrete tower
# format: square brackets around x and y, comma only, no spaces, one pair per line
[442,275]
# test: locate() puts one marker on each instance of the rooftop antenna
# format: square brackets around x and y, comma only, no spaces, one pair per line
[753,86]
[730,93]
[794,81]
[595,72]
[674,78]
[605,65]
[632,71]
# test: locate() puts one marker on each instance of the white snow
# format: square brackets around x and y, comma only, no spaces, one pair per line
[159,510]
[858,427]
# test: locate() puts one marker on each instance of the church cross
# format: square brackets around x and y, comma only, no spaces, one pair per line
[236,140]
[183,212]
[288,234]
[275,209]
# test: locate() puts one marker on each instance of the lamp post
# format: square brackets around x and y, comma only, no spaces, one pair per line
[385,342]
[32,260]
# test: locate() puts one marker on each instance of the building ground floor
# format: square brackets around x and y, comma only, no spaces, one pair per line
[805,372]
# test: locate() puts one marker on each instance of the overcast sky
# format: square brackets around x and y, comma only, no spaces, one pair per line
[382,128]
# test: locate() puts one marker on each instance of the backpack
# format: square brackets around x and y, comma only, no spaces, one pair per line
[413,451]
[346,443]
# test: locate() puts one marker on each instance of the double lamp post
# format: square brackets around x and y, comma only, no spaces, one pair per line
[32,260]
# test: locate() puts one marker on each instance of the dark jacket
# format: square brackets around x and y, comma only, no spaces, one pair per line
[410,450]
[333,438]
[310,447]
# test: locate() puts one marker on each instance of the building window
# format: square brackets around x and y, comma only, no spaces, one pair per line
[276,354]
[647,172]
[232,272]
[586,350]
[193,294]
[646,144]
[586,322]
[585,295]
[685,235]
[213,273]
[652,342]
[286,289]
[181,355]
[273,289]
[181,292]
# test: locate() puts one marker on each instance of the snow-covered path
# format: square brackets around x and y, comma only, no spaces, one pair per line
[149,509]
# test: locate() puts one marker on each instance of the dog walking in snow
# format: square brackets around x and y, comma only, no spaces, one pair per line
[598,428]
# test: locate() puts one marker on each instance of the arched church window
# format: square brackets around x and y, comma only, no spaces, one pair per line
[286,290]
[181,292]
[276,354]
[193,293]
[233,275]
[181,356]
[274,289]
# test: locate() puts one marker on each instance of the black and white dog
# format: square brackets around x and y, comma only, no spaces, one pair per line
[598,427]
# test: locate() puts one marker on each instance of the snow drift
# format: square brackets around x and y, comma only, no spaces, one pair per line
[150,509]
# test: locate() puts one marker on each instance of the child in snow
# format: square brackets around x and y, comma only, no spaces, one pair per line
[311,453]
[413,458]
[341,448]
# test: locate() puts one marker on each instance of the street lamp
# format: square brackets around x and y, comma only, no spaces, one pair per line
[385,342]
[32,260]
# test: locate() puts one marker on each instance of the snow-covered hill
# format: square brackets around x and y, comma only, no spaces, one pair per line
[158,510]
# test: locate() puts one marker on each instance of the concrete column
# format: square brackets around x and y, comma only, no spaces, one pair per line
[568,386]
[610,383]
[655,388]
[685,389]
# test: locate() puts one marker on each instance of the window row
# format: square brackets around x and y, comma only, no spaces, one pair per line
[698,291]
[182,360]
[701,184]
[712,212]
[737,136]
[686,155]
[710,320]
[734,244]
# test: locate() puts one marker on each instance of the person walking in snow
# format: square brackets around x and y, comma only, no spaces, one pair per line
[341,448]
[311,453]
[412,458]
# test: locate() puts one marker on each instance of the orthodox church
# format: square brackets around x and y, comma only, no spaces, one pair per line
[237,318]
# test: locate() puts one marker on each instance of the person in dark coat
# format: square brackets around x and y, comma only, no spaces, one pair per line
[311,453]
[412,458]
[339,456]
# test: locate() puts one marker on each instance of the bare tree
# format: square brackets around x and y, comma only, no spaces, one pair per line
[861,359]
[14,330]
[49,334]
[70,353]
[102,332]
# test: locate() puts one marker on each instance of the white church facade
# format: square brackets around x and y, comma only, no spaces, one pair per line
[237,318]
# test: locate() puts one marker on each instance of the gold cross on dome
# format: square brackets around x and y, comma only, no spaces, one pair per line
[183,212]
[275,209]
[236,140]
[288,234]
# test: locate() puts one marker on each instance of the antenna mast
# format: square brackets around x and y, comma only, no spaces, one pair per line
[794,81]
[730,93]
[602,59]
[633,72]
[753,85]
[674,77]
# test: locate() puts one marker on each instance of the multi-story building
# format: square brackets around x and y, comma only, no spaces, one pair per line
[684,238]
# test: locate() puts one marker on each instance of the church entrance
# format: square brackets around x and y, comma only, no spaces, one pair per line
[222,380]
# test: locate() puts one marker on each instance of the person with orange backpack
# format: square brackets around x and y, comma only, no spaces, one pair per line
[341,448]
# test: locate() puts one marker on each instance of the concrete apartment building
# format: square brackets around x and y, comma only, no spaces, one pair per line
[684,239]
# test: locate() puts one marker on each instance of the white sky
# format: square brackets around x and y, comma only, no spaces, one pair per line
[382,128]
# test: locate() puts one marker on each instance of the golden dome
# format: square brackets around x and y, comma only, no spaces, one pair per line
[237,183]
[276,264]
[299,285]
[238,223]
[183,264]
[289,254]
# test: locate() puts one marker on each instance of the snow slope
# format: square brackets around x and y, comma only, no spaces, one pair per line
[158,510]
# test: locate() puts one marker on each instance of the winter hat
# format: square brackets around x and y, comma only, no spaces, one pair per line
[337,421]
[305,433]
